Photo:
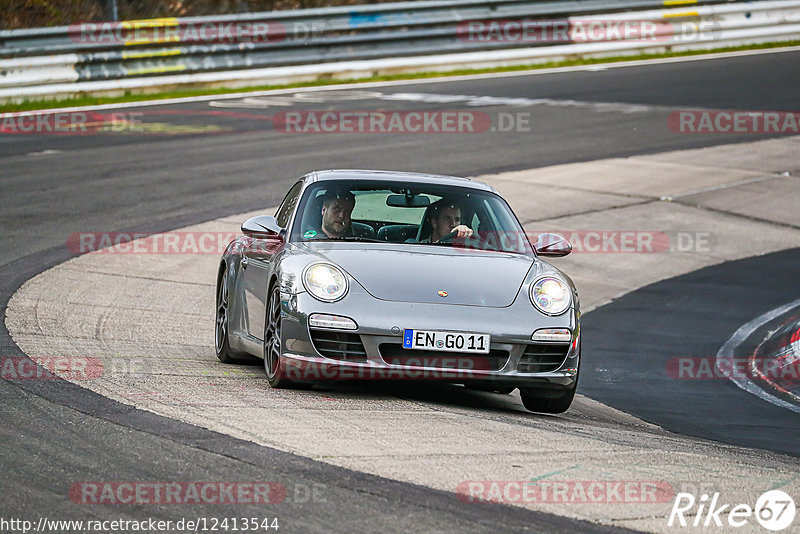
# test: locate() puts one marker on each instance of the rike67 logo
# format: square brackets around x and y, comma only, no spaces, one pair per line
[774,510]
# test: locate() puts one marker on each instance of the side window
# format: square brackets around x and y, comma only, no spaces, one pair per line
[474,216]
[287,207]
[475,223]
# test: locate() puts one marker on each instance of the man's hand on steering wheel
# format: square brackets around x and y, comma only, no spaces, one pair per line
[471,239]
[461,231]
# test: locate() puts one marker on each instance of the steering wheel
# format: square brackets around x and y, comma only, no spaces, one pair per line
[473,240]
[448,238]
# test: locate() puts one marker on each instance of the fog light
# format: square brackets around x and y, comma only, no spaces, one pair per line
[322,320]
[552,334]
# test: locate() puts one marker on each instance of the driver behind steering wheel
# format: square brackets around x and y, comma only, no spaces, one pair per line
[445,217]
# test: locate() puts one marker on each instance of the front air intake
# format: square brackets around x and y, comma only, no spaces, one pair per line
[342,346]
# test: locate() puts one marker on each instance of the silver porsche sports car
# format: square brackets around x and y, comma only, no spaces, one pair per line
[394,275]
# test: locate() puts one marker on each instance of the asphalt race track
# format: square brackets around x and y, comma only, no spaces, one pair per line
[55,433]
[633,341]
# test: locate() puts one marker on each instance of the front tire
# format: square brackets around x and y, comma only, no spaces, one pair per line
[273,348]
[273,345]
[549,401]
[534,401]
[502,390]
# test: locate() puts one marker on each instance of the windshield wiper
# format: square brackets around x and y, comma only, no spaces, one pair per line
[350,238]
[485,247]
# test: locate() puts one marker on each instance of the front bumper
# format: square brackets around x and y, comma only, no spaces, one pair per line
[373,351]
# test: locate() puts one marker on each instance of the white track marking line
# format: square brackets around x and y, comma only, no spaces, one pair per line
[744,331]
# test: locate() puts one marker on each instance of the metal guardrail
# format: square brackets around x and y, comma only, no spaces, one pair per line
[358,19]
[165,47]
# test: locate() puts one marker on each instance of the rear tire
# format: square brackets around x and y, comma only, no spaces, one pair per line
[221,327]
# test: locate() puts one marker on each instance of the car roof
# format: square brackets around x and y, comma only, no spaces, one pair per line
[396,176]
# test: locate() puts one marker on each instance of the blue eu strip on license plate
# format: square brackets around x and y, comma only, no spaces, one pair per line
[408,338]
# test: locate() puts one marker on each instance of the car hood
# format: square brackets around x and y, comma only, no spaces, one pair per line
[417,273]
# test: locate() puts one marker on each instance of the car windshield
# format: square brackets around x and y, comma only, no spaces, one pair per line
[401,212]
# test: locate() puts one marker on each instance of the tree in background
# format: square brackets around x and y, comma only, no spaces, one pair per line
[16,14]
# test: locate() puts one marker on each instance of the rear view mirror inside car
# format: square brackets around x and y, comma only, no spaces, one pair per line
[407,201]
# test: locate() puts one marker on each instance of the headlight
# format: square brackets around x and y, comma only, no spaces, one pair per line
[325,282]
[550,295]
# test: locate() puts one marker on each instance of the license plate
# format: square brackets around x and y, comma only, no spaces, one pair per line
[446,341]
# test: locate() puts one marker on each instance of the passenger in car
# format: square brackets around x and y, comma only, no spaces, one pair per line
[337,207]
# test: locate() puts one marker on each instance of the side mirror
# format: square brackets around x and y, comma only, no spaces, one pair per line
[262,227]
[553,245]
